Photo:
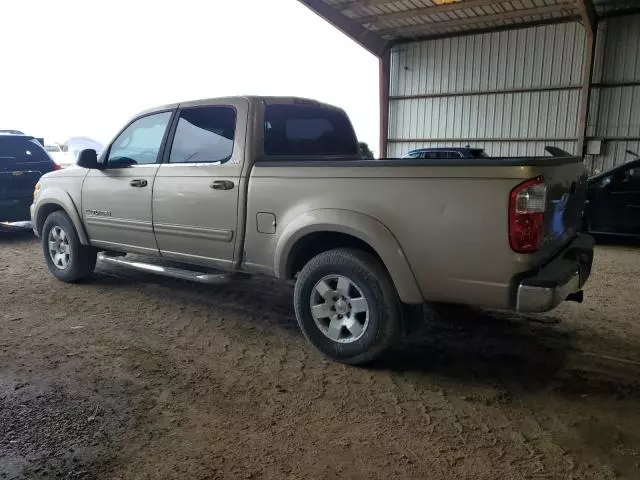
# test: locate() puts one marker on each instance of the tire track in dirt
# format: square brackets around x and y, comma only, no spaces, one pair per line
[221,383]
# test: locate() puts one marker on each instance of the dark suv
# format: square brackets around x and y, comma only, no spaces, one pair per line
[23,161]
[444,152]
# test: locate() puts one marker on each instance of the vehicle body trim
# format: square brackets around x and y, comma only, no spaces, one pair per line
[133,225]
[220,235]
[59,197]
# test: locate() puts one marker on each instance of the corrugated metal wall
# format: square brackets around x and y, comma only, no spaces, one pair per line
[511,92]
[614,114]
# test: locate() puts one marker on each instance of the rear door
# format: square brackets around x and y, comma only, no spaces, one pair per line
[22,162]
[196,192]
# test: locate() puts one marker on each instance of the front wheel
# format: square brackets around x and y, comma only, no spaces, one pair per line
[68,260]
[347,306]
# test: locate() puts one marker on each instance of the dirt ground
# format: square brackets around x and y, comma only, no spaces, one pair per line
[137,376]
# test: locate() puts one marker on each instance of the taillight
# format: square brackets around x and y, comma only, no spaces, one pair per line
[526,216]
[57,166]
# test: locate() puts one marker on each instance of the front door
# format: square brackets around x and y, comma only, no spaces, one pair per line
[629,192]
[196,191]
[116,200]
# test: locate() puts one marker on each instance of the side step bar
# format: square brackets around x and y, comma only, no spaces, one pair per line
[179,273]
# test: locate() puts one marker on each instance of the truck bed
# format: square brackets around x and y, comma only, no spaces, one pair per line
[450,217]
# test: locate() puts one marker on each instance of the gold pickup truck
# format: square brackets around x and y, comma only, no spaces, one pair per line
[211,189]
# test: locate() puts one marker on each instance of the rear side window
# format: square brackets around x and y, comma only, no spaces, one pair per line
[307,130]
[479,153]
[204,135]
[20,150]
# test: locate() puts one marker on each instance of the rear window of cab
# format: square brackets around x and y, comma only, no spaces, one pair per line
[307,130]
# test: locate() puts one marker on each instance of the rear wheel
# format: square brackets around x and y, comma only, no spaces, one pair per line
[347,306]
[67,259]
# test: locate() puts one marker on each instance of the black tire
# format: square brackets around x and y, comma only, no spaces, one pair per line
[81,260]
[384,325]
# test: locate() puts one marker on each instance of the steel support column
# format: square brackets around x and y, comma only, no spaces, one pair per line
[589,21]
[385,74]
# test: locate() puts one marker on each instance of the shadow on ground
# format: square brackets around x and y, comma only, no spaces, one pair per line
[494,348]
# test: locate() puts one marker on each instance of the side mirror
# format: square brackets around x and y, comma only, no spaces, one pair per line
[88,158]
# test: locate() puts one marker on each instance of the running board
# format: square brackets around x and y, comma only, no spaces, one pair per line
[179,273]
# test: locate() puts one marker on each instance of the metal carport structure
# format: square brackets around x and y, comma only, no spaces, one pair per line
[575,61]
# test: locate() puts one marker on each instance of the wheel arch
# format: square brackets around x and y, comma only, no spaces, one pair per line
[322,230]
[58,201]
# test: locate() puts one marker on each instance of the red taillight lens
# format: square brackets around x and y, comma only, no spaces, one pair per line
[57,167]
[527,204]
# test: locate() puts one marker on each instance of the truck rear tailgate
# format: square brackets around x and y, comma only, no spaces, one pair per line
[566,193]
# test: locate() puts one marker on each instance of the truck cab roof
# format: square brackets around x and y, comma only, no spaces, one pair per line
[248,98]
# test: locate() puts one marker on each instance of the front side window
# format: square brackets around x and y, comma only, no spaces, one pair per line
[140,142]
[204,135]
[633,175]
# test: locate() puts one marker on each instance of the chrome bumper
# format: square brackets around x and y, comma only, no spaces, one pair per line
[562,277]
[534,299]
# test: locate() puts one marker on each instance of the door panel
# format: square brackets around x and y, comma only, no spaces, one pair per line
[616,201]
[117,213]
[196,191]
[630,193]
[116,200]
[192,219]
[632,212]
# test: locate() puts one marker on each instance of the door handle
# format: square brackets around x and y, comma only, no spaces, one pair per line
[138,182]
[222,185]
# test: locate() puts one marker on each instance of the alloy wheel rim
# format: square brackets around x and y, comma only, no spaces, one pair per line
[59,247]
[339,309]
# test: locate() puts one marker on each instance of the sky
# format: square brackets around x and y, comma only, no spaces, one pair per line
[83,68]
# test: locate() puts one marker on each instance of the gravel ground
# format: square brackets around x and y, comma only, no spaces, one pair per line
[136,376]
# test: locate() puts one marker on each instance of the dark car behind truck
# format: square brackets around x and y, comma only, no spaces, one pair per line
[613,201]
[23,161]
[446,153]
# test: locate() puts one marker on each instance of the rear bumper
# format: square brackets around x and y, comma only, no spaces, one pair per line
[564,276]
[15,209]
